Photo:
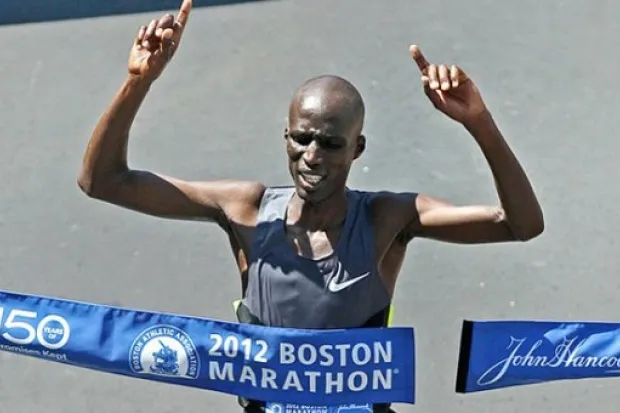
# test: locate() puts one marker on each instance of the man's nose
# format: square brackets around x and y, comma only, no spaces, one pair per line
[313,155]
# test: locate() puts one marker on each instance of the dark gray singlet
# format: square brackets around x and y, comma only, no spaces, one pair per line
[342,290]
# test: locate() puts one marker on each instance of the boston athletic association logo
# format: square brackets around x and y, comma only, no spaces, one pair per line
[164,351]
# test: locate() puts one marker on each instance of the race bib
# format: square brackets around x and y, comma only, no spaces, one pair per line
[337,367]
[297,408]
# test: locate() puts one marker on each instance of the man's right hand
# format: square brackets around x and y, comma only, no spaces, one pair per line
[156,43]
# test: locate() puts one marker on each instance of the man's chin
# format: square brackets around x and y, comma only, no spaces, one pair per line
[310,196]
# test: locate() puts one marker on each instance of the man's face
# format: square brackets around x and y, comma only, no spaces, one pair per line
[321,147]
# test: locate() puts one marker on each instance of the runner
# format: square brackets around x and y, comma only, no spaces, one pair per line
[316,254]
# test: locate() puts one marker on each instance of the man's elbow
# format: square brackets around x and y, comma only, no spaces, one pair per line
[533,230]
[85,183]
[92,187]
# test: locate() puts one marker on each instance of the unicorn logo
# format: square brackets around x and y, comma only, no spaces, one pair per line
[164,350]
[166,361]
[274,408]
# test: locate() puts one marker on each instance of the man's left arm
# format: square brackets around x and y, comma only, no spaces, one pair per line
[519,216]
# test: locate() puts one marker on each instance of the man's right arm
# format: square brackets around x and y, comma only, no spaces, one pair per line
[105,174]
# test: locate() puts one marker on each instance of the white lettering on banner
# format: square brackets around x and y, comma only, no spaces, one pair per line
[35,353]
[21,328]
[308,381]
[359,354]
[269,379]
[292,380]
[312,376]
[222,371]
[231,346]
[305,354]
[334,383]
[565,355]
[247,374]
[360,384]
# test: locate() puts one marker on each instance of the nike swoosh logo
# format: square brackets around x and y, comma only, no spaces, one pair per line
[334,287]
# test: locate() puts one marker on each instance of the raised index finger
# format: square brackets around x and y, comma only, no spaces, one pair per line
[183,16]
[419,58]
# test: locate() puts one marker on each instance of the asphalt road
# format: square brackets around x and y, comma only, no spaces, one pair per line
[548,70]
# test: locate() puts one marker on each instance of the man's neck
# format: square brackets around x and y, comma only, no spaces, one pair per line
[326,215]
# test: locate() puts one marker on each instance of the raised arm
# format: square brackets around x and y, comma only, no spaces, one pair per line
[105,174]
[518,217]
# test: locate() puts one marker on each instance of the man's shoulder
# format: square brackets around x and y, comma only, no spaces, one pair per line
[391,211]
[239,199]
[247,192]
[386,201]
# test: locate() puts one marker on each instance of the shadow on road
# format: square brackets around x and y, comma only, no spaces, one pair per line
[34,11]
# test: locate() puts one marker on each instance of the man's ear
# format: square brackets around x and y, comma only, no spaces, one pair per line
[361,146]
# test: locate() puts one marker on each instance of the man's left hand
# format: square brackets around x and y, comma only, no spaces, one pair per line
[449,89]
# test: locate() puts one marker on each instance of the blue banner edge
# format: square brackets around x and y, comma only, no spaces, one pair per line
[59,302]
[466,341]
[462,368]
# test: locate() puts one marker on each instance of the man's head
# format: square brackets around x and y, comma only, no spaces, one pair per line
[324,136]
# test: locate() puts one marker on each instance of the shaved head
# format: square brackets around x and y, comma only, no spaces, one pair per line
[332,98]
[324,136]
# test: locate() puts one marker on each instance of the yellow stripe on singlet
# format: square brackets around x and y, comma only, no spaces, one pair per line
[390,315]
[236,304]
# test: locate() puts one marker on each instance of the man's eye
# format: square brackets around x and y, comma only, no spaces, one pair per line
[323,142]
[331,145]
[302,139]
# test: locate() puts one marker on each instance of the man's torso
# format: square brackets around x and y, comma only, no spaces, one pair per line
[367,242]
[344,287]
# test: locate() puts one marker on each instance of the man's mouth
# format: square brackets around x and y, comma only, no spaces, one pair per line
[311,180]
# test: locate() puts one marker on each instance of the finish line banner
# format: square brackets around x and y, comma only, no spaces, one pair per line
[498,354]
[331,367]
